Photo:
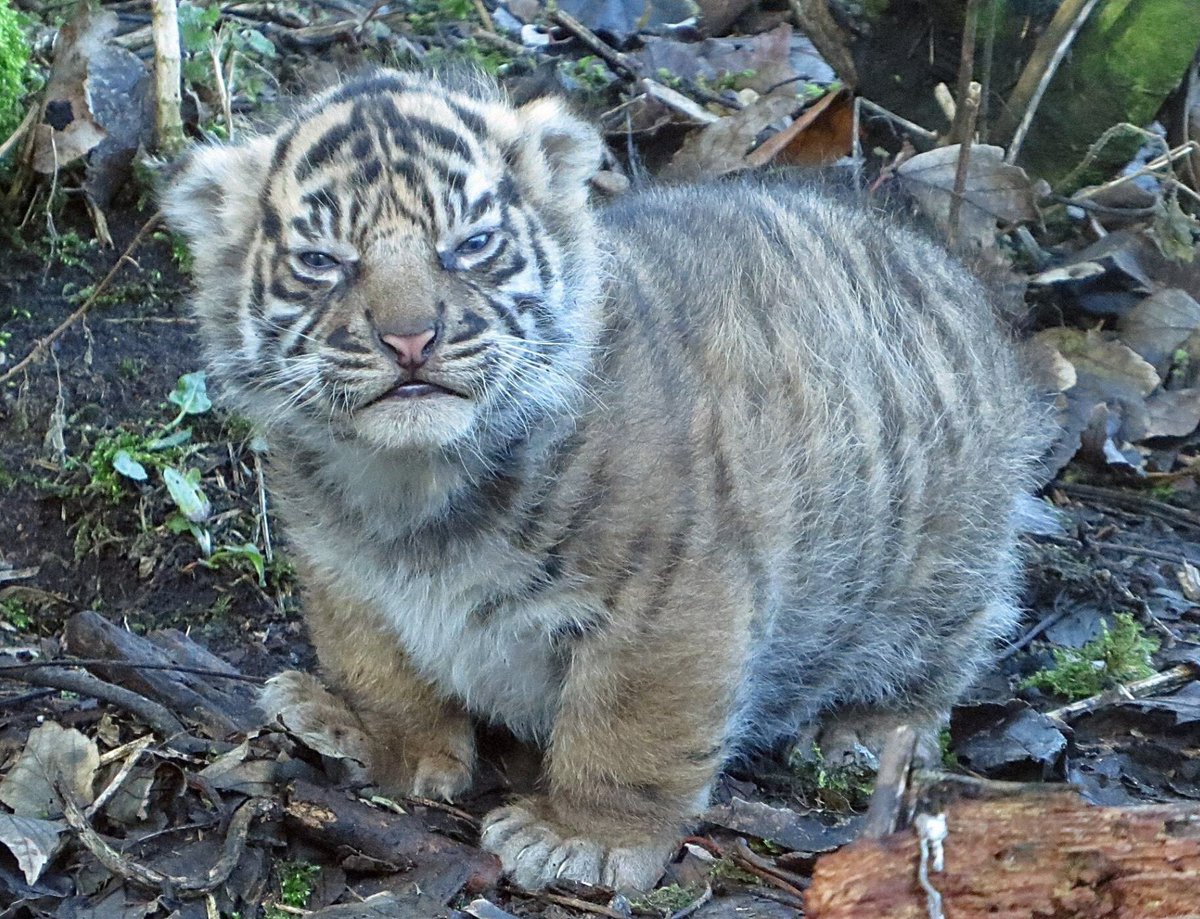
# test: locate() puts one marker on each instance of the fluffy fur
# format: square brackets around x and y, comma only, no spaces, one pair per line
[711,467]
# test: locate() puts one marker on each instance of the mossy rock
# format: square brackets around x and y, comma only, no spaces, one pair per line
[1129,56]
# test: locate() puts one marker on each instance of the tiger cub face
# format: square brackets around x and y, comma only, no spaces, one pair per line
[397,266]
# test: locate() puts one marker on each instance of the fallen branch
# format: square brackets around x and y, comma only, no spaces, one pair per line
[1132,502]
[170,885]
[41,344]
[964,120]
[332,820]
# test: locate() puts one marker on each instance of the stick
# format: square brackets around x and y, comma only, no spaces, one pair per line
[1137,503]
[1043,63]
[815,21]
[153,879]
[967,110]
[15,137]
[167,77]
[1139,689]
[128,665]
[963,127]
[155,715]
[891,783]
[43,343]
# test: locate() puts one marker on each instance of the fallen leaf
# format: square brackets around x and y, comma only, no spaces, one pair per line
[1189,581]
[1010,741]
[822,134]
[1172,413]
[995,192]
[1159,324]
[53,756]
[32,842]
[721,147]
[814,831]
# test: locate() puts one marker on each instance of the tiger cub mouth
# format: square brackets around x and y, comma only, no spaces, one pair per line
[415,389]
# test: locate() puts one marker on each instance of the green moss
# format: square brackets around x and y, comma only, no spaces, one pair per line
[835,788]
[14,69]
[296,881]
[1117,655]
[667,900]
[15,614]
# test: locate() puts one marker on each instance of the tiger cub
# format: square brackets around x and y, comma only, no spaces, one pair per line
[651,484]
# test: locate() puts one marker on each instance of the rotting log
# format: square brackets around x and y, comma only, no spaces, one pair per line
[366,835]
[1029,853]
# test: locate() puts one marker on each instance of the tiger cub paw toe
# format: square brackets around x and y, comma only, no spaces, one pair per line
[535,852]
[324,723]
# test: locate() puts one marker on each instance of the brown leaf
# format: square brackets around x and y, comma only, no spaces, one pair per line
[1158,325]
[995,192]
[721,147]
[54,757]
[822,134]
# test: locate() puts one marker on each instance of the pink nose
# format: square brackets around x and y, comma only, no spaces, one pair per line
[412,351]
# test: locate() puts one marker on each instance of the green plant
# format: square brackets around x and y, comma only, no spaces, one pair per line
[1117,655]
[6,334]
[836,788]
[207,43]
[14,69]
[13,612]
[296,880]
[589,72]
[667,900]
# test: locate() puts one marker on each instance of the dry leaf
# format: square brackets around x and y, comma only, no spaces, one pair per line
[32,842]
[995,192]
[53,756]
[1159,324]
[1189,581]
[721,147]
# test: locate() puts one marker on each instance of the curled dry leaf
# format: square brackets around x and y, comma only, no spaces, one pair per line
[54,757]
[995,192]
[721,147]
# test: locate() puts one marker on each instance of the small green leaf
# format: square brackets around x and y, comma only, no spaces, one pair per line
[187,494]
[191,394]
[248,551]
[125,464]
[177,439]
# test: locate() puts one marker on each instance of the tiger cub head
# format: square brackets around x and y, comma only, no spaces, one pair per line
[401,264]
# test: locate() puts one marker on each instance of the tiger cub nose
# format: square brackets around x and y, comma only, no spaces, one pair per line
[412,351]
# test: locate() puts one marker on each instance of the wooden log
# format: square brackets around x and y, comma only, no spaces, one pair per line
[1021,855]
[333,820]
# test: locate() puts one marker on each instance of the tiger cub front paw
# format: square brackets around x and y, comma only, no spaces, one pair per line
[425,764]
[536,849]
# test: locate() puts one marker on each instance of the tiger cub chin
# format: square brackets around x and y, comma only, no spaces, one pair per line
[651,484]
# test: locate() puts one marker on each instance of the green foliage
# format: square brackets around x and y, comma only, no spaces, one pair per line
[426,15]
[1115,656]
[13,612]
[14,312]
[667,900]
[296,880]
[470,52]
[589,71]
[836,788]
[14,69]
[202,35]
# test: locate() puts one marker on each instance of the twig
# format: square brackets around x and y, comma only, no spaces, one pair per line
[484,16]
[596,909]
[695,905]
[1031,635]
[963,128]
[155,715]
[151,878]
[15,137]
[137,748]
[268,551]
[127,665]
[1136,503]
[789,883]
[816,22]
[1139,689]
[223,91]
[1140,552]
[446,809]
[891,784]
[909,126]
[1043,63]
[985,76]
[968,109]
[22,698]
[43,343]
[614,58]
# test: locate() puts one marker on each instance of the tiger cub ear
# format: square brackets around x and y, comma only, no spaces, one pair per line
[210,191]
[557,152]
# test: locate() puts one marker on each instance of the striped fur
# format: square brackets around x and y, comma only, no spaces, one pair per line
[722,464]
